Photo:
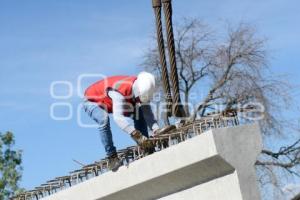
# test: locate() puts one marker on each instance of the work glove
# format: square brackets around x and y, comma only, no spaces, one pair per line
[141,140]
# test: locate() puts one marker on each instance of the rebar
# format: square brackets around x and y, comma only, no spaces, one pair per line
[131,154]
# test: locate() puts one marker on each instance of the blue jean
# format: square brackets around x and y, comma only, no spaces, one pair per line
[101,117]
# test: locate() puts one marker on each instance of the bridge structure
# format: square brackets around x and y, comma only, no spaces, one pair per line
[212,158]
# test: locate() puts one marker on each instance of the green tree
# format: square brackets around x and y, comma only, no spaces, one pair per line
[10,166]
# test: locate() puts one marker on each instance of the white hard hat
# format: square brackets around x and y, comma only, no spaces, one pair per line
[145,86]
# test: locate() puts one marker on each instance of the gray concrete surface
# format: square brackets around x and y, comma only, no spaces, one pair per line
[218,164]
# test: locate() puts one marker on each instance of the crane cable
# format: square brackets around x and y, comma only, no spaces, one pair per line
[178,108]
[161,48]
[167,7]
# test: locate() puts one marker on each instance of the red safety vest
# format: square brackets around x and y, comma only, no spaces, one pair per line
[98,92]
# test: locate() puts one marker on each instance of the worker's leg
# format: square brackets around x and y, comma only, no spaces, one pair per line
[140,122]
[100,116]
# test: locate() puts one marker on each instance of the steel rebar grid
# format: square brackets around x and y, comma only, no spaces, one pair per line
[161,142]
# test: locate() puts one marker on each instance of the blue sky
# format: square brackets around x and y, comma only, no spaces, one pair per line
[58,40]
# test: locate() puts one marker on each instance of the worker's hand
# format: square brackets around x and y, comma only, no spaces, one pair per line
[146,144]
[140,139]
[136,134]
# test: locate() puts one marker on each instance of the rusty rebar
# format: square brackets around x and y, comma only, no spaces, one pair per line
[162,141]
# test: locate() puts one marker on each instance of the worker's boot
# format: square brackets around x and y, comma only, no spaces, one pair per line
[114,162]
[146,144]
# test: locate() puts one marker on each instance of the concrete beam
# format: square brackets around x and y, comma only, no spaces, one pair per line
[219,164]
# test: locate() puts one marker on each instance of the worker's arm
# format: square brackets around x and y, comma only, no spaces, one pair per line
[125,123]
[149,117]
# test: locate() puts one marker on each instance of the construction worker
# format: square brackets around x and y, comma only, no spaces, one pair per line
[127,98]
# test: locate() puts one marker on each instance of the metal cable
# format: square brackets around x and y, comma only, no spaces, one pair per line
[161,47]
[178,108]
